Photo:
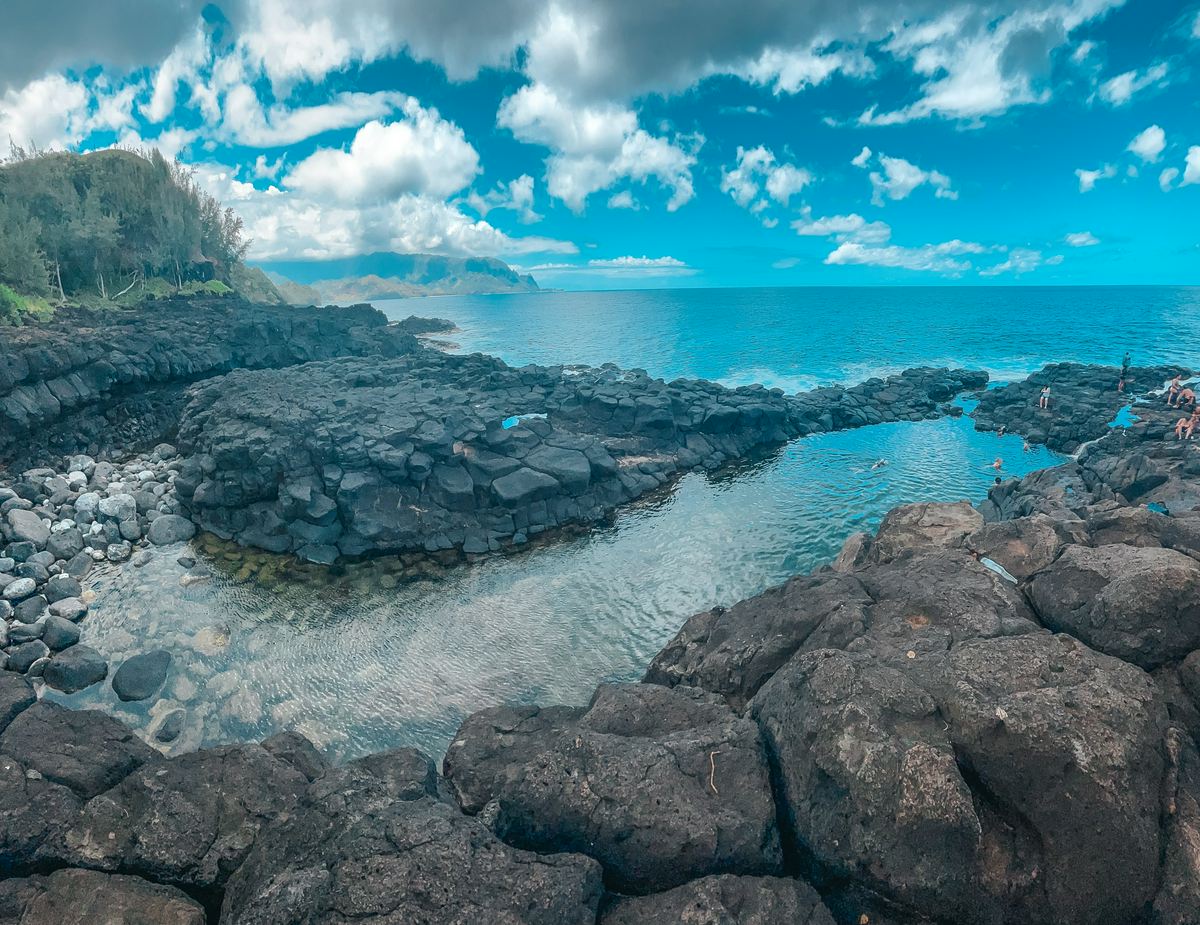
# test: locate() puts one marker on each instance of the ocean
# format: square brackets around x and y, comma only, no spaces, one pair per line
[362,662]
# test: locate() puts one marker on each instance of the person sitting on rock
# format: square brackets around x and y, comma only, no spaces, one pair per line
[1044,401]
[1181,426]
[1190,427]
[1176,385]
[1186,396]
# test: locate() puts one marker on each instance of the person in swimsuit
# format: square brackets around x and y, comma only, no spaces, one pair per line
[1176,385]
[998,464]
[1044,401]
[1187,396]
[1180,426]
[1190,427]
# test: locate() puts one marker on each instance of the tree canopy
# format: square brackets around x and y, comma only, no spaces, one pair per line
[108,223]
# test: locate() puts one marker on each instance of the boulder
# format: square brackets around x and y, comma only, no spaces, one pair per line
[491,740]
[19,589]
[1178,897]
[723,900]
[923,526]
[75,668]
[59,633]
[140,676]
[1139,604]
[1026,544]
[84,750]
[22,657]
[16,696]
[169,529]
[85,897]
[1003,780]
[60,587]
[27,527]
[659,785]
[375,839]
[189,820]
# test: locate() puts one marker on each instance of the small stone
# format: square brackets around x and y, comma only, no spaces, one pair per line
[60,587]
[30,610]
[75,669]
[118,552]
[59,633]
[118,507]
[142,675]
[19,589]
[28,527]
[23,656]
[171,727]
[169,529]
[69,608]
[21,633]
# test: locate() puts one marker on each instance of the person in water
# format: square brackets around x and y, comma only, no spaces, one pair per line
[998,464]
[1027,447]
[1044,401]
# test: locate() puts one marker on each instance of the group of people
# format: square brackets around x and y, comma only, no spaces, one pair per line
[1180,396]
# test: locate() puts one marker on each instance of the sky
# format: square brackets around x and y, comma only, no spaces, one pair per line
[651,143]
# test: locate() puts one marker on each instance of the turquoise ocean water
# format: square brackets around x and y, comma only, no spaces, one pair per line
[364,662]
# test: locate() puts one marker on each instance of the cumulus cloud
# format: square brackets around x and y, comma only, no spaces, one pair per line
[852,227]
[515,195]
[1149,144]
[1191,169]
[1167,178]
[1081,239]
[421,154]
[934,258]
[899,178]
[1021,260]
[295,225]
[618,267]
[1119,90]
[758,173]
[48,113]
[622,200]
[594,147]
[1089,178]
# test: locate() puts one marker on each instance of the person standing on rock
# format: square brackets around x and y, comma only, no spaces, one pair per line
[1176,385]
[1044,401]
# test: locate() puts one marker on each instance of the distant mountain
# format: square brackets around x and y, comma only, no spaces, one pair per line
[397,276]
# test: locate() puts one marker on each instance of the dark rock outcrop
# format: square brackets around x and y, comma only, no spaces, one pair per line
[723,900]
[375,843]
[660,786]
[352,457]
[85,897]
[89,382]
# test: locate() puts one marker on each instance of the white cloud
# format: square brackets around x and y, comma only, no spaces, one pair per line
[515,195]
[268,170]
[48,113]
[1089,178]
[1021,260]
[182,65]
[622,200]
[595,146]
[422,154]
[171,142]
[618,267]
[793,70]
[294,225]
[900,177]
[1081,239]
[934,258]
[1191,169]
[247,123]
[1166,178]
[978,63]
[1149,144]
[1196,27]
[1121,89]
[758,173]
[852,227]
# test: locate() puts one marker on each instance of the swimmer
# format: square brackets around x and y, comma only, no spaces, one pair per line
[998,464]
[878,464]
[1027,447]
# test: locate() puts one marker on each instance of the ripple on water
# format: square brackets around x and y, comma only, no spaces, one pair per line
[367,660]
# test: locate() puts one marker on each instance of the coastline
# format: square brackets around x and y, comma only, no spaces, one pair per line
[877,647]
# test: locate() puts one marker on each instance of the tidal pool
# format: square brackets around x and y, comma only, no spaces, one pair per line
[372,657]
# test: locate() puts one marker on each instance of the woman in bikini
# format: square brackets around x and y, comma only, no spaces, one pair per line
[1176,385]
[1190,426]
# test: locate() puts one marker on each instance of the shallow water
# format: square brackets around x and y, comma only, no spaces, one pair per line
[367,661]
[372,659]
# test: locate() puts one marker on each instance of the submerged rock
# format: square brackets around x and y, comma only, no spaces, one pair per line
[140,676]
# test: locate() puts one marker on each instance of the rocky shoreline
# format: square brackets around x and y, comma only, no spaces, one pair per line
[980,714]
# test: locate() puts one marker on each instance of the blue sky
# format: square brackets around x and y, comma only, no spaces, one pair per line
[641,143]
